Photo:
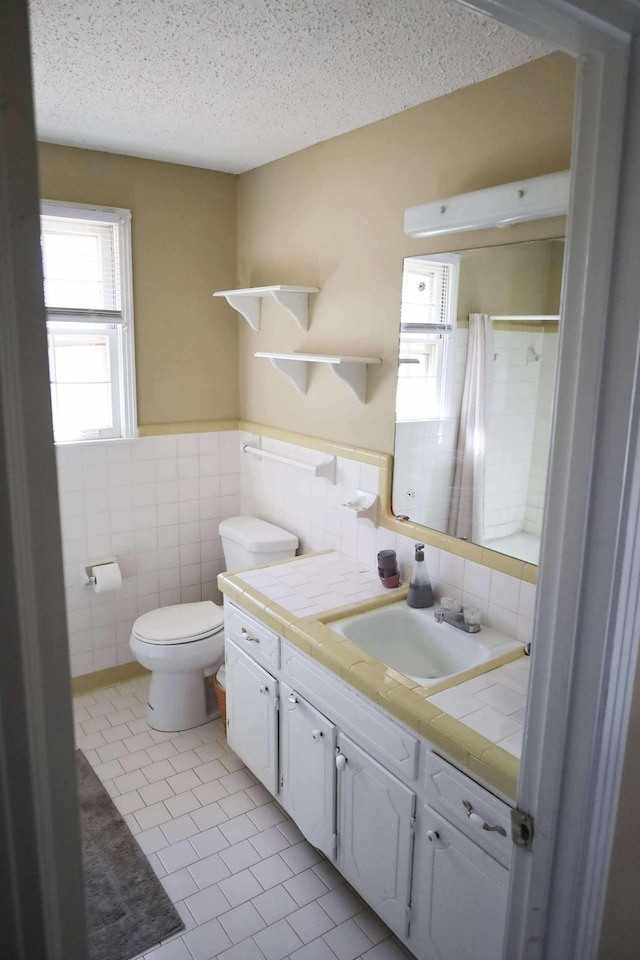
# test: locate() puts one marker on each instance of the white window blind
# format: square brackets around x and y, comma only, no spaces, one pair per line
[426,293]
[82,266]
[427,321]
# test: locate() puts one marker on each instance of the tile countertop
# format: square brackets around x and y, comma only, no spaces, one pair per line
[477,719]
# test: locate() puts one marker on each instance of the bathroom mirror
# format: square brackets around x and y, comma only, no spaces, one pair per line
[474,400]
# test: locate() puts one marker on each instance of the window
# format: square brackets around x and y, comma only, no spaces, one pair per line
[427,323]
[86,256]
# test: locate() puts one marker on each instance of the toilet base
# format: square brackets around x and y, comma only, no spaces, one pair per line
[179,701]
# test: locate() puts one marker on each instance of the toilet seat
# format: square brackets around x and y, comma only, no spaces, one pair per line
[180,623]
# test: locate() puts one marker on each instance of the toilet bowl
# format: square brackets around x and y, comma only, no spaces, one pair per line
[183,644]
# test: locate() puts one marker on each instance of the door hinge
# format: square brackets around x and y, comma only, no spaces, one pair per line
[277,702]
[412,825]
[408,918]
[522,827]
[335,846]
[281,780]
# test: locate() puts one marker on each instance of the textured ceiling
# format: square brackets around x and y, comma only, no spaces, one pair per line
[233,84]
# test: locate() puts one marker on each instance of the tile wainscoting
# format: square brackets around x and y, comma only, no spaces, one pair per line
[156,503]
[311,508]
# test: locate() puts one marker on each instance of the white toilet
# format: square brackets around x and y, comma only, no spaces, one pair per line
[184,643]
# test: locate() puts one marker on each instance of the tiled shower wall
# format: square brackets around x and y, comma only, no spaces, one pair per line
[510,428]
[542,434]
[156,504]
[517,445]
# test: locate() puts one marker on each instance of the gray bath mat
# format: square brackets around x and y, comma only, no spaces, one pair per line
[128,911]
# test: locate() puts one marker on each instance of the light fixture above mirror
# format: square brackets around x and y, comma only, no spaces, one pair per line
[532,199]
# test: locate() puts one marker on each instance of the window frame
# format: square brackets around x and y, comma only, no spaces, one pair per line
[117,324]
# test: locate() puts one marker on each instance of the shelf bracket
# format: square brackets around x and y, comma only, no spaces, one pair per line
[296,304]
[355,377]
[248,307]
[294,370]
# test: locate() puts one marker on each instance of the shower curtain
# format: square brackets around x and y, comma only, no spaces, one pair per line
[466,514]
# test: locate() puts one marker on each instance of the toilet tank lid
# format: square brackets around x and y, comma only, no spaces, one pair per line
[257,535]
[179,622]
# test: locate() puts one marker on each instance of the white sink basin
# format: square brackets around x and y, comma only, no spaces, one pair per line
[412,642]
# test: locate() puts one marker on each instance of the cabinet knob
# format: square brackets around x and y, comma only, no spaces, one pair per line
[316,735]
[264,688]
[432,836]
[293,698]
[341,762]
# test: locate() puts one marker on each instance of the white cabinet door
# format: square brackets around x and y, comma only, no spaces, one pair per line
[307,769]
[252,715]
[462,902]
[375,833]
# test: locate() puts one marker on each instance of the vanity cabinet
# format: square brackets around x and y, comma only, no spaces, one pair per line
[376,818]
[252,715]
[425,845]
[308,769]
[461,909]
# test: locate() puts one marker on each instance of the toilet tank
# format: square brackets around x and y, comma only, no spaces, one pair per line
[250,542]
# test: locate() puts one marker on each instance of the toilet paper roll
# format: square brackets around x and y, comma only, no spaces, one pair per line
[107,576]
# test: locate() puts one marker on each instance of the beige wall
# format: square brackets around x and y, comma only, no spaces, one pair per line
[331,216]
[514,279]
[184,248]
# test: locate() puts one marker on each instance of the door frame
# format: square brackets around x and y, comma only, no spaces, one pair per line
[41,884]
[586,633]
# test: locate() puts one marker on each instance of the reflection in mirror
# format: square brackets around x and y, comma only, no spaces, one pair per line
[474,403]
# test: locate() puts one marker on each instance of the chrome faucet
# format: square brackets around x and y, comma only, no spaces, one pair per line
[464,618]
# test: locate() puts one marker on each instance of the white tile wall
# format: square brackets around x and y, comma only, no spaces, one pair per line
[310,508]
[510,429]
[156,504]
[519,433]
[517,444]
[542,434]
[423,470]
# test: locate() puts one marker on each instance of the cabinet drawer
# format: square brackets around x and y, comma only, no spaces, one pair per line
[259,642]
[469,806]
[386,740]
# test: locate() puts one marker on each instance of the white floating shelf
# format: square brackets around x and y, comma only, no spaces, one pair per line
[352,370]
[248,302]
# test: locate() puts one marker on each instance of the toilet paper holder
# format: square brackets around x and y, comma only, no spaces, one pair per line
[88,579]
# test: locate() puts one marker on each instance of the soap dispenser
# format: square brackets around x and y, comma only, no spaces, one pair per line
[420,591]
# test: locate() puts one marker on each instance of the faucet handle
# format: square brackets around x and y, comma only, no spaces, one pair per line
[449,603]
[471,616]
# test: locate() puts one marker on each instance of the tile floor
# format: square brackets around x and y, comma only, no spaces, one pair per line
[245,882]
